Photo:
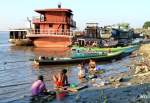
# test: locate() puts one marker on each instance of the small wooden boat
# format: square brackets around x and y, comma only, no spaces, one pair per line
[43,98]
[58,94]
[78,58]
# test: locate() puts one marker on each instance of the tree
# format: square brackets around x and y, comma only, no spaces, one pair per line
[146,24]
[124,25]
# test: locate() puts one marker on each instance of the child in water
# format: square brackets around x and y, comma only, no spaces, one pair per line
[82,72]
[92,65]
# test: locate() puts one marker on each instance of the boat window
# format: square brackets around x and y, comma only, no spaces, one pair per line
[41,18]
[16,35]
[73,49]
[123,35]
[11,35]
[50,25]
[24,34]
[19,34]
[63,28]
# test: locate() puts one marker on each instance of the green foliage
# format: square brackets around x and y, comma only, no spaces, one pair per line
[124,25]
[100,72]
[146,24]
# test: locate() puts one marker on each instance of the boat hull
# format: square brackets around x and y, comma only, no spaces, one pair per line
[20,42]
[103,58]
[110,57]
[97,49]
[51,41]
[129,50]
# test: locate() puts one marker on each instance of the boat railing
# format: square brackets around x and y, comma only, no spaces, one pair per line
[37,19]
[62,32]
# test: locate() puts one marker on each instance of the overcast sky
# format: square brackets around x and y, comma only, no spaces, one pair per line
[14,13]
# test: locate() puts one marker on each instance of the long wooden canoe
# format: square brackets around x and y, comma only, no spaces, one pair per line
[97,49]
[70,60]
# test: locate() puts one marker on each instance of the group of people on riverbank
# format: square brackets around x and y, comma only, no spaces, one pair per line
[61,79]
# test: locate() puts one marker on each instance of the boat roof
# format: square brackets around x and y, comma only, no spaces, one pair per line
[122,30]
[53,9]
[18,30]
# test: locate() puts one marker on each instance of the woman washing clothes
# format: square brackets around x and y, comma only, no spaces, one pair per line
[61,79]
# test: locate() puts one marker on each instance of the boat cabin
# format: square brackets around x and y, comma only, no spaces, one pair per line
[53,20]
[124,37]
[18,34]
[91,35]
[18,37]
[96,36]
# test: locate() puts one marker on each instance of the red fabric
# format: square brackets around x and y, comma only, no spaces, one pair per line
[61,95]
[59,84]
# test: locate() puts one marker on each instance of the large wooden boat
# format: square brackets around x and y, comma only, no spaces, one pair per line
[78,59]
[53,28]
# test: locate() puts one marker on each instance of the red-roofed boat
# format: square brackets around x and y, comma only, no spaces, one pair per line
[52,28]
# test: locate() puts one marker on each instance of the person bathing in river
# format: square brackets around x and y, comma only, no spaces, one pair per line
[38,87]
[92,65]
[82,72]
[61,79]
[92,68]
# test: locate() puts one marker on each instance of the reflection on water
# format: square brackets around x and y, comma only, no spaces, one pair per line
[17,71]
[59,52]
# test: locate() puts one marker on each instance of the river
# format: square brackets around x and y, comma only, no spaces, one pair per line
[17,72]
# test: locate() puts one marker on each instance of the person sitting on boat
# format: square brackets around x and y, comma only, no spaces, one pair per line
[38,87]
[94,44]
[61,80]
